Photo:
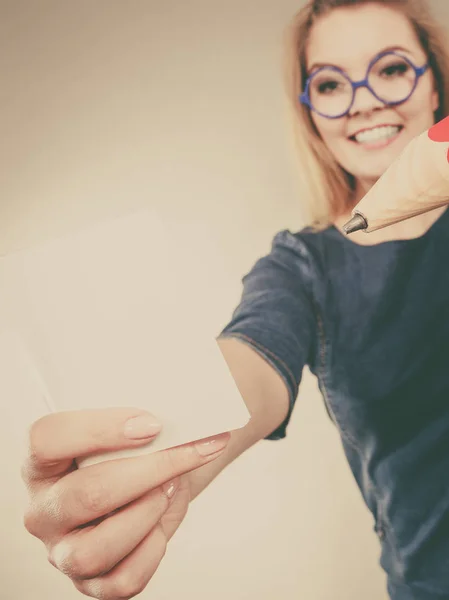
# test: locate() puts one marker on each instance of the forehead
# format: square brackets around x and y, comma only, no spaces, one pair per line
[351,36]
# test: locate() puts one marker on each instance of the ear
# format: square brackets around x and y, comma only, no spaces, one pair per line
[435,100]
[435,95]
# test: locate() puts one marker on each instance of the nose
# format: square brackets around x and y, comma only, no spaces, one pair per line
[364,101]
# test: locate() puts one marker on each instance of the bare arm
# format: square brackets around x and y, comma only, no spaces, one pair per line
[266,397]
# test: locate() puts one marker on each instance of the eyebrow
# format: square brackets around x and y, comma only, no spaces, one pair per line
[317,65]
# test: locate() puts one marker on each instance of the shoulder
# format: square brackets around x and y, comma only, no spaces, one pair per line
[304,251]
[294,264]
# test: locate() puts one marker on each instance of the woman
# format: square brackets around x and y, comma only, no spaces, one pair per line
[357,311]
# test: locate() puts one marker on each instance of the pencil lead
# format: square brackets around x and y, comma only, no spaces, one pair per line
[357,223]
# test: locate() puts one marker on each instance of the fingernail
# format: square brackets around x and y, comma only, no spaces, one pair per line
[170,488]
[141,427]
[213,445]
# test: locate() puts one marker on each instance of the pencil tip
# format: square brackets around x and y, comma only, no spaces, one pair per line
[355,224]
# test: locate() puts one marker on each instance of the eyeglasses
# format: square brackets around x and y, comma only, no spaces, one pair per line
[390,77]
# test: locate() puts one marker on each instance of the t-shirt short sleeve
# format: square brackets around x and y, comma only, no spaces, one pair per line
[275,315]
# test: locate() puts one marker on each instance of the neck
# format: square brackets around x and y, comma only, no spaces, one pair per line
[361,189]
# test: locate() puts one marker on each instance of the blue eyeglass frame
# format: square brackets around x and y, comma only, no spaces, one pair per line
[304,98]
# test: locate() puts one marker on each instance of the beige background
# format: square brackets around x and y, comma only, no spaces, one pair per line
[107,106]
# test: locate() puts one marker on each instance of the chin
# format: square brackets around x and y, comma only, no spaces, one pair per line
[372,168]
[370,175]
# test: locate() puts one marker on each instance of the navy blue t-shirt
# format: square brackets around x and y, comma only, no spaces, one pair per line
[372,323]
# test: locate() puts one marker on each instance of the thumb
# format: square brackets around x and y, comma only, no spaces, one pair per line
[55,440]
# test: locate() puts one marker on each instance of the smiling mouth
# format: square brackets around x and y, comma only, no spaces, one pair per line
[377,134]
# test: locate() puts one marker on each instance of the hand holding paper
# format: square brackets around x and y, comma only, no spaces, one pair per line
[415,183]
[116,316]
[107,526]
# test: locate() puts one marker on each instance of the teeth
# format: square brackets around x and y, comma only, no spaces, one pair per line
[378,133]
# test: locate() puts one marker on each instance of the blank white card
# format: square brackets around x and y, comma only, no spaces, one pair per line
[117,315]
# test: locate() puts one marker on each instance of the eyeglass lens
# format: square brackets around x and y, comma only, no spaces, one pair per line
[391,78]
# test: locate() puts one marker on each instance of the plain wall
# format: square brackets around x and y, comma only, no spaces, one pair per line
[107,106]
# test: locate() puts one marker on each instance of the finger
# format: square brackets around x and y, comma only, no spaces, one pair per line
[179,506]
[87,494]
[57,439]
[90,552]
[131,576]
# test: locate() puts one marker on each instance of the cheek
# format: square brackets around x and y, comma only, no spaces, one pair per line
[333,134]
[421,104]
[331,131]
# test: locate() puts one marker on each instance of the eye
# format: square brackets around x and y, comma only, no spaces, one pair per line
[397,69]
[325,87]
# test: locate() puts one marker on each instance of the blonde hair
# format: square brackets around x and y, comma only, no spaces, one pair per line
[328,185]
